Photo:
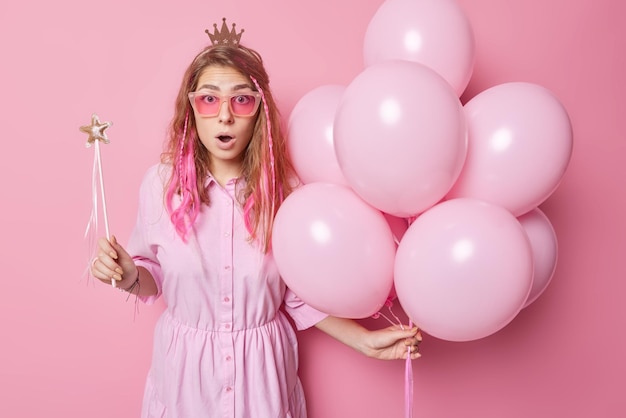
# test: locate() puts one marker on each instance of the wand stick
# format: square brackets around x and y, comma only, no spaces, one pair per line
[102,194]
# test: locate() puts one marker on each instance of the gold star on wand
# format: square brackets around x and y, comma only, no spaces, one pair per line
[95,131]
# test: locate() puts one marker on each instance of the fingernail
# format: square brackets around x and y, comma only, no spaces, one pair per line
[119,271]
[117,277]
[113,255]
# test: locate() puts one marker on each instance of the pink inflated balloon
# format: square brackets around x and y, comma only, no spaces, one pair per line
[545,250]
[334,251]
[436,33]
[463,269]
[520,144]
[310,139]
[400,137]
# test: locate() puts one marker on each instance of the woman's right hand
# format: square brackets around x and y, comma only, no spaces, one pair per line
[113,263]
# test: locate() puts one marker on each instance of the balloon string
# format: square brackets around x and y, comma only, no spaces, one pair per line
[408,368]
[408,383]
[389,305]
[379,314]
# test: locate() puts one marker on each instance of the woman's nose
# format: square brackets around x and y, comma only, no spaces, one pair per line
[224,114]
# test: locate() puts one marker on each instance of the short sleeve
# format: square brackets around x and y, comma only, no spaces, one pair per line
[303,315]
[141,245]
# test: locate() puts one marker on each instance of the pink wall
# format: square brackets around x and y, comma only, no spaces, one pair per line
[71,349]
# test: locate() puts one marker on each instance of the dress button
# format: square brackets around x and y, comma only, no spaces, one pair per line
[228,389]
[227,234]
[227,326]
[227,267]
[228,358]
[226,299]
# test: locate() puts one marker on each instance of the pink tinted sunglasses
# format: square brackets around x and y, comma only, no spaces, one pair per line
[207,103]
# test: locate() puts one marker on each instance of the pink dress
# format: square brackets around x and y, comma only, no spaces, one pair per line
[223,347]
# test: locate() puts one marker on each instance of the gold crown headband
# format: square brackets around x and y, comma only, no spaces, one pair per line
[224,36]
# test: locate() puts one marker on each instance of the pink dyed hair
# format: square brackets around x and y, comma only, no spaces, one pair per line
[267,170]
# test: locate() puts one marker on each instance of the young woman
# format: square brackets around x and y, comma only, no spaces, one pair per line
[223,347]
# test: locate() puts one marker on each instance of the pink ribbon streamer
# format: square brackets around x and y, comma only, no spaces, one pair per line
[408,383]
[408,368]
[92,225]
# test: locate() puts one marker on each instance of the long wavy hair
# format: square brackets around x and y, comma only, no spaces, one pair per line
[267,171]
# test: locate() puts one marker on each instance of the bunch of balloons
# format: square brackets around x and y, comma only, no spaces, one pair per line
[409,193]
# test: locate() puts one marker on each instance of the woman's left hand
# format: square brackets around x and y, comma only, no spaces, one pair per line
[394,343]
[389,343]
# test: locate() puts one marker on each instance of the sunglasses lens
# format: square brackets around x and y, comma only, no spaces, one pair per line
[243,104]
[207,105]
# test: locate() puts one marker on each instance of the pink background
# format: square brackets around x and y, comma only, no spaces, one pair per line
[71,349]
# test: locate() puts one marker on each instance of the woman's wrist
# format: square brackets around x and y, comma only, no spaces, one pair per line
[129,285]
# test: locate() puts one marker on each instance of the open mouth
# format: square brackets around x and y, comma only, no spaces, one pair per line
[225,138]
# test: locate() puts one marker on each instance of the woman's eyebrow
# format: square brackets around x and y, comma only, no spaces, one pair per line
[241,87]
[234,88]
